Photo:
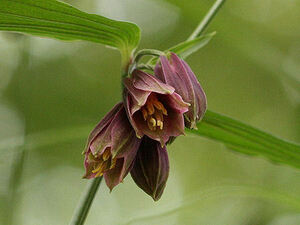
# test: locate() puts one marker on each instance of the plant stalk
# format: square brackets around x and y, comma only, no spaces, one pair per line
[207,19]
[86,201]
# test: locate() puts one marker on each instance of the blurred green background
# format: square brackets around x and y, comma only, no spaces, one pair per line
[52,93]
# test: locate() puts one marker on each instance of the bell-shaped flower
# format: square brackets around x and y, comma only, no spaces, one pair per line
[178,74]
[153,107]
[151,168]
[111,148]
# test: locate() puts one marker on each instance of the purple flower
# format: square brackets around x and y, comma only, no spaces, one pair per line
[151,168]
[111,148]
[153,107]
[178,74]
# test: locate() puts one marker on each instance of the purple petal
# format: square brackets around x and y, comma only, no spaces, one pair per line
[179,75]
[103,123]
[151,168]
[124,162]
[148,82]
[140,96]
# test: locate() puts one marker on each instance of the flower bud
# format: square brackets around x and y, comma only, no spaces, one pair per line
[151,168]
[111,148]
[178,74]
[153,108]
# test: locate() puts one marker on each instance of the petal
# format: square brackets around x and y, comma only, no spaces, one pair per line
[88,167]
[201,100]
[124,162]
[173,122]
[177,79]
[140,96]
[148,82]
[179,75]
[103,123]
[112,177]
[151,168]
[128,101]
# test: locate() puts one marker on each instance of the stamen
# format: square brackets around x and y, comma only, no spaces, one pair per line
[99,167]
[104,163]
[153,122]
[99,174]
[150,108]
[106,154]
[153,112]
[160,106]
[145,113]
[113,163]
[160,124]
[158,116]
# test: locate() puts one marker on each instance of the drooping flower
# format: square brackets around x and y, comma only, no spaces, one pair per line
[153,107]
[178,74]
[111,148]
[151,168]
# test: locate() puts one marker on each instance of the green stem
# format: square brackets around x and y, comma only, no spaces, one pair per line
[142,53]
[206,20]
[86,202]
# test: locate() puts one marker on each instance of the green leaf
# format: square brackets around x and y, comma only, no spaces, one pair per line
[55,19]
[248,140]
[186,48]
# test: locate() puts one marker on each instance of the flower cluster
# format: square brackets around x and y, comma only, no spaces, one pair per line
[132,137]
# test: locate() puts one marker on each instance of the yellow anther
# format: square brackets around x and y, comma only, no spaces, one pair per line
[145,113]
[160,106]
[113,163]
[99,174]
[106,154]
[158,116]
[99,168]
[160,124]
[150,108]
[153,122]
[153,112]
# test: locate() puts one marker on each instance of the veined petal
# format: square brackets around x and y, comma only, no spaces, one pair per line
[178,74]
[148,82]
[201,100]
[151,168]
[103,123]
[140,96]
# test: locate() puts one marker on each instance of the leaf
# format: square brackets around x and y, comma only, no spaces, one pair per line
[248,140]
[186,48]
[55,19]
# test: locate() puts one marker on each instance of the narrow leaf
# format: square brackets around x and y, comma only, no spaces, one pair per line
[55,19]
[248,140]
[186,48]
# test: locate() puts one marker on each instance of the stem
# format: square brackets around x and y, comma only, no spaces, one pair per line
[143,52]
[140,54]
[206,20]
[86,201]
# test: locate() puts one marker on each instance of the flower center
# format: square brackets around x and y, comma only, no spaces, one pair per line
[153,113]
[104,163]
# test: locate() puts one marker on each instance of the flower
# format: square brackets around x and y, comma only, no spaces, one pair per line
[178,74]
[151,168]
[111,148]
[153,107]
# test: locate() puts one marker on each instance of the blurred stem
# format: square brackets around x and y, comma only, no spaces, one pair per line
[207,19]
[86,202]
